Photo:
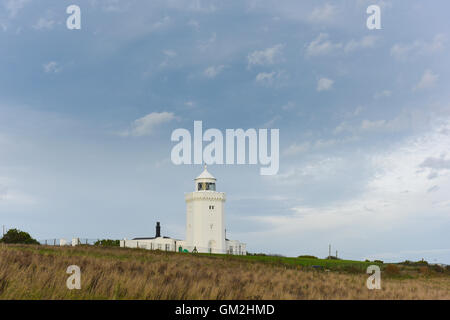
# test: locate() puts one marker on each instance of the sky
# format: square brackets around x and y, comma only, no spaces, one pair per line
[86,118]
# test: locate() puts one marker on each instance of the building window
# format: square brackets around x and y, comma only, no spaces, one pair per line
[167,247]
[159,246]
[211,207]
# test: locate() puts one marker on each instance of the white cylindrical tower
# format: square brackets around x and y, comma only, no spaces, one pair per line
[205,216]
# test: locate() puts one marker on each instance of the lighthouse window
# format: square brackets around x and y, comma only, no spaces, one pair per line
[206,186]
[211,207]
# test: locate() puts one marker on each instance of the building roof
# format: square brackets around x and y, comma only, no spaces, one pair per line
[144,238]
[205,175]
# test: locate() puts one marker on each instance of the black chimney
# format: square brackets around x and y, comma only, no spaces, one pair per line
[158,230]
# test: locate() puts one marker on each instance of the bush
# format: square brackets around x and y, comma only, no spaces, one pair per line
[17,236]
[308,257]
[108,243]
[352,269]
[378,261]
[417,263]
[437,268]
[392,269]
[424,270]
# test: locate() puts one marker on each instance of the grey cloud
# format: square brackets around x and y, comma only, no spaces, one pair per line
[436,163]
[432,175]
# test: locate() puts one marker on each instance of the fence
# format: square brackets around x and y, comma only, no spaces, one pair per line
[176,247]
[148,245]
[66,242]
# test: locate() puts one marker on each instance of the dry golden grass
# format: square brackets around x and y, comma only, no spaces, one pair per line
[37,272]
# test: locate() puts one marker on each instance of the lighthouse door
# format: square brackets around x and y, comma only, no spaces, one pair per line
[211,245]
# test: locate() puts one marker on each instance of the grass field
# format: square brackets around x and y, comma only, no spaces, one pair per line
[39,272]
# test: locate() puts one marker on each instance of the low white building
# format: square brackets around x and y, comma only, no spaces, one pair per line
[205,224]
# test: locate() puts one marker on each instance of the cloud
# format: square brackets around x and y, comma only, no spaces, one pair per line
[342,127]
[382,94]
[405,121]
[270,123]
[383,4]
[145,126]
[295,148]
[114,5]
[168,55]
[365,42]
[428,80]
[43,23]
[373,125]
[52,67]
[268,56]
[269,78]
[432,175]
[321,46]
[324,84]
[403,52]
[325,13]
[265,76]
[204,45]
[190,104]
[213,71]
[197,6]
[194,23]
[14,6]
[382,204]
[436,163]
[317,145]
[288,106]
[164,22]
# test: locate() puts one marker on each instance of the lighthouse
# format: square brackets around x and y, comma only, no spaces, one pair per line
[205,224]
[205,215]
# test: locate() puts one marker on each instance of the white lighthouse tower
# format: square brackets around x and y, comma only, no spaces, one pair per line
[205,216]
